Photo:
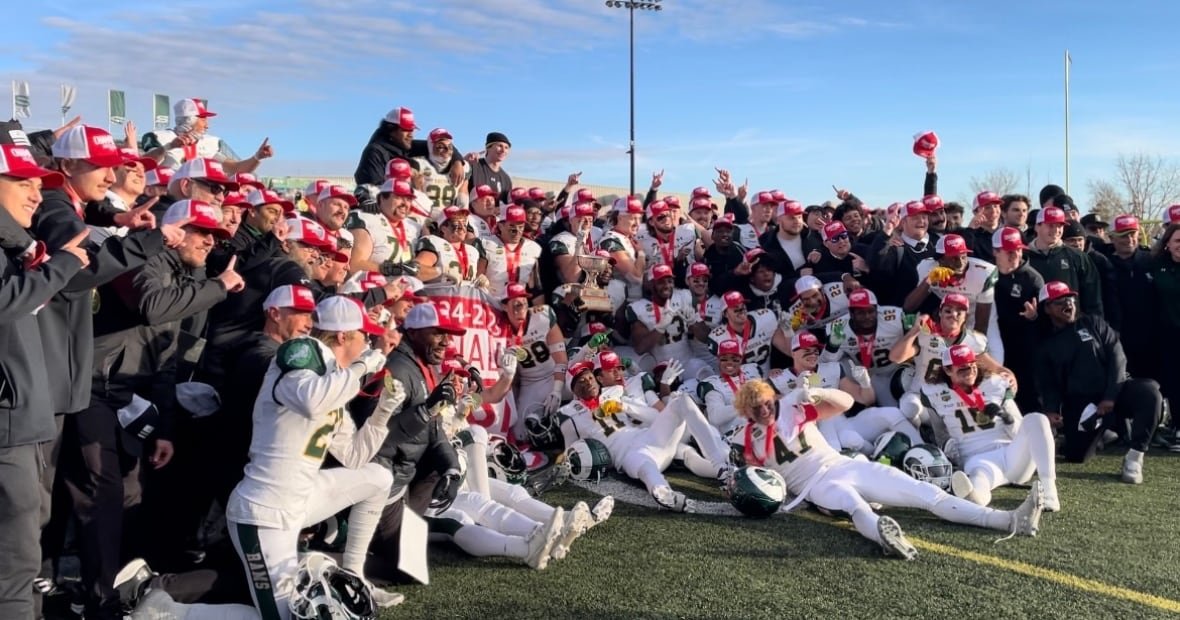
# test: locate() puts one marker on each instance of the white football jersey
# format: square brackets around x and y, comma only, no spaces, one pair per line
[619,432]
[844,343]
[826,375]
[718,393]
[299,418]
[207,146]
[756,339]
[460,264]
[507,265]
[673,320]
[712,310]
[928,361]
[438,188]
[612,242]
[798,451]
[836,305]
[975,431]
[978,283]
[481,226]
[665,252]
[390,242]
[566,244]
[747,236]
[535,361]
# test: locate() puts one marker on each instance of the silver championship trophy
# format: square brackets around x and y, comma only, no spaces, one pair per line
[594,298]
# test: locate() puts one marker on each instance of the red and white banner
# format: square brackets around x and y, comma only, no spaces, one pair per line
[487,331]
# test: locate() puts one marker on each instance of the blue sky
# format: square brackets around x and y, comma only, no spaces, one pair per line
[792,95]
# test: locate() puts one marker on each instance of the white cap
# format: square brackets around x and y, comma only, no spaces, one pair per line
[344,314]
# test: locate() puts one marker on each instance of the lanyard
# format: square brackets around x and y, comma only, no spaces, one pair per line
[427,374]
[745,334]
[399,229]
[190,151]
[767,449]
[974,399]
[655,307]
[513,258]
[668,251]
[518,334]
[865,346]
[734,386]
[461,250]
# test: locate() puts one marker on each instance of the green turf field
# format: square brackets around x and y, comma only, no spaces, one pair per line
[1113,552]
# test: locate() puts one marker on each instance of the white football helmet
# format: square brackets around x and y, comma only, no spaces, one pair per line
[325,590]
[928,464]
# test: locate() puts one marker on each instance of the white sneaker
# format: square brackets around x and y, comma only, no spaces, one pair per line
[1049,497]
[1026,519]
[1133,468]
[542,540]
[893,540]
[961,485]
[668,499]
[577,521]
[385,598]
[132,582]
[602,510]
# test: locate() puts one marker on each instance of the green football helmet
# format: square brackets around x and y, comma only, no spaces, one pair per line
[588,459]
[890,449]
[505,462]
[928,464]
[756,491]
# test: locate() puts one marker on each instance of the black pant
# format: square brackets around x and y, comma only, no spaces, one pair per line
[102,477]
[20,524]
[1169,373]
[1139,405]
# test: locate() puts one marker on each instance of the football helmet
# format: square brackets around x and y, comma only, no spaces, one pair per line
[325,590]
[928,464]
[588,459]
[505,462]
[756,491]
[544,432]
[890,449]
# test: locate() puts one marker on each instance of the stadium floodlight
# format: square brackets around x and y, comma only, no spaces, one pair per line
[654,5]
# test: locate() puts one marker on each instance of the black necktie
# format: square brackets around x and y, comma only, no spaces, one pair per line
[920,247]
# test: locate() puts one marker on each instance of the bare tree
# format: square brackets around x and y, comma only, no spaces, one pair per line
[1106,201]
[1150,182]
[999,180]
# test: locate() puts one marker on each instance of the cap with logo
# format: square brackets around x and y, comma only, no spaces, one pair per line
[925,143]
[337,191]
[956,299]
[160,177]
[807,283]
[585,195]
[90,144]
[764,198]
[426,316]
[344,314]
[986,198]
[191,107]
[958,355]
[260,197]
[831,230]
[516,290]
[729,347]
[951,245]
[672,201]
[514,215]
[203,215]
[790,208]
[657,208]
[1054,290]
[700,203]
[402,117]
[485,191]
[132,156]
[862,298]
[17,161]
[607,360]
[734,299]
[307,232]
[701,192]
[205,169]
[536,193]
[724,220]
[245,179]
[1173,215]
[932,203]
[699,270]
[1125,225]
[439,133]
[397,188]
[659,272]
[291,296]
[1051,215]
[913,207]
[1008,239]
[804,340]
[628,204]
[397,168]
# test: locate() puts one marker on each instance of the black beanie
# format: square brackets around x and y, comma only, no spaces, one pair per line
[1048,192]
[496,136]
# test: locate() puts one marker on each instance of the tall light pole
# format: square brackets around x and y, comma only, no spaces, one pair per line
[631,8]
[1068,64]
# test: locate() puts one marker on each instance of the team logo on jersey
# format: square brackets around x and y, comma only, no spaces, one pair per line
[1017,290]
[1085,335]
[1064,264]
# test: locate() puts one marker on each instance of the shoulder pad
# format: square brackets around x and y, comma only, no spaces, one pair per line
[704,387]
[557,248]
[649,383]
[301,354]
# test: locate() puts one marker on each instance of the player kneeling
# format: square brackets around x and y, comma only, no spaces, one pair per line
[988,437]
[782,435]
[299,418]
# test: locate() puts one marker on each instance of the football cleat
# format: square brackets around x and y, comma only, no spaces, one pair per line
[1049,496]
[577,521]
[542,540]
[893,540]
[1026,519]
[602,510]
[384,598]
[668,499]
[132,582]
[961,485]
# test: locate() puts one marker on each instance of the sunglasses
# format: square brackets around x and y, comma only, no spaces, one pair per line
[838,238]
[214,188]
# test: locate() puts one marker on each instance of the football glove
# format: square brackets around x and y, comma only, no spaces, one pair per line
[443,395]
[393,395]
[860,375]
[445,490]
[371,360]
[553,400]
[506,360]
[390,268]
[672,372]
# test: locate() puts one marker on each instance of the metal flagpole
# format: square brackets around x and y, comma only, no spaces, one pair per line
[1068,62]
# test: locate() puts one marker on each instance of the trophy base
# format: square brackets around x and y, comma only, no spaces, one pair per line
[596,300]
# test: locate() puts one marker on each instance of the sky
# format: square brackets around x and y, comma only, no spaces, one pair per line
[797,96]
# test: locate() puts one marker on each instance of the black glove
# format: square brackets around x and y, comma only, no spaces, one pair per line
[443,394]
[475,380]
[996,411]
[366,198]
[445,491]
[390,268]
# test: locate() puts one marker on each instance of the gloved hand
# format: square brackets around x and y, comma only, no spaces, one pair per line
[598,340]
[475,380]
[802,394]
[445,490]
[672,372]
[443,395]
[996,411]
[482,282]
[393,395]
[371,360]
[860,375]
[553,400]
[390,268]
[506,360]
